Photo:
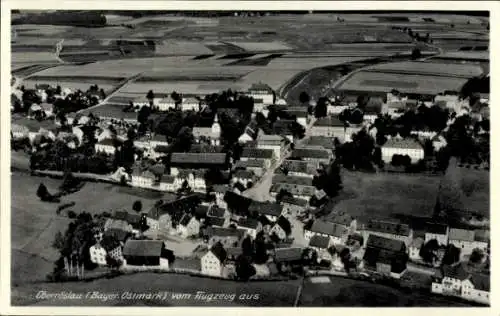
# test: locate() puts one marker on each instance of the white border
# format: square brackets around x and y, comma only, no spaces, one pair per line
[5,307]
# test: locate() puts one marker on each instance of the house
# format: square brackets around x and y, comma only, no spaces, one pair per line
[291,257]
[145,253]
[141,101]
[299,113]
[219,190]
[424,133]
[267,155]
[120,223]
[244,177]
[107,146]
[251,132]
[228,237]
[98,254]
[188,226]
[468,240]
[190,104]
[313,154]
[343,219]
[250,225]
[387,229]
[257,166]
[112,246]
[321,141]
[166,215]
[142,178]
[197,161]
[212,263]
[337,233]
[275,142]
[168,183]
[195,179]
[294,180]
[386,256]
[320,244]
[299,168]
[261,93]
[282,228]
[269,209]
[165,104]
[19,131]
[212,134]
[284,128]
[150,142]
[216,222]
[455,280]
[439,142]
[437,231]
[332,126]
[397,146]
[297,191]
[414,248]
[118,234]
[293,206]
[333,109]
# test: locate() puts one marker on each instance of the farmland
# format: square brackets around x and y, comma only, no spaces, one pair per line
[387,195]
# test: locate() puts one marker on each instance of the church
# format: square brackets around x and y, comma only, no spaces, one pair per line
[210,134]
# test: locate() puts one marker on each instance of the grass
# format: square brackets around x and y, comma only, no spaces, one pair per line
[475,185]
[387,195]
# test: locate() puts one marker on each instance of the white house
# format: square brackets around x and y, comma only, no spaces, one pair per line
[320,244]
[141,101]
[189,104]
[250,225]
[282,228]
[437,231]
[261,93]
[397,146]
[414,248]
[337,233]
[166,104]
[335,109]
[98,254]
[19,131]
[167,183]
[439,142]
[468,240]
[188,226]
[386,229]
[274,142]
[106,145]
[212,263]
[142,179]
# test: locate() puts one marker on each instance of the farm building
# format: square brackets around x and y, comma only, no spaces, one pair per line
[212,263]
[336,233]
[297,191]
[261,93]
[198,161]
[299,168]
[468,240]
[145,253]
[312,154]
[387,229]
[275,142]
[190,104]
[256,153]
[332,126]
[257,166]
[165,104]
[386,256]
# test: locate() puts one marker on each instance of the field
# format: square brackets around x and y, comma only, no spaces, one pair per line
[386,195]
[475,185]
[34,223]
[366,81]
[422,68]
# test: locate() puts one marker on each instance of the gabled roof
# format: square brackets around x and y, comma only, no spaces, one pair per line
[284,224]
[224,232]
[417,242]
[330,229]
[250,163]
[186,218]
[248,223]
[283,127]
[436,228]
[295,180]
[323,141]
[318,241]
[385,243]
[388,227]
[108,142]
[109,243]
[215,221]
[121,224]
[201,210]
[461,234]
[455,272]
[176,208]
[329,121]
[266,208]
[482,235]
[299,166]
[293,189]
[216,211]
[341,218]
[243,174]
[316,153]
[260,87]
[143,248]
[126,216]
[287,254]
[480,281]
[219,251]
[118,234]
[293,201]
[199,158]
[257,153]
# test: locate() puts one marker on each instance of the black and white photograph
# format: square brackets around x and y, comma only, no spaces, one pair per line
[248,158]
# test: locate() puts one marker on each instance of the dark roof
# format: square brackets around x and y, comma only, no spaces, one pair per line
[216,211]
[201,211]
[377,255]
[220,188]
[385,243]
[284,224]
[118,234]
[128,217]
[480,281]
[316,153]
[175,208]
[248,223]
[266,208]
[283,127]
[319,241]
[186,218]
[294,201]
[233,252]
[260,87]
[455,272]
[224,232]
[331,121]
[215,221]
[299,166]
[250,163]
[243,174]
[288,254]
[296,180]
[341,218]
[323,141]
[237,200]
[257,153]
[436,228]
[482,235]
[293,189]
[219,251]
[388,227]
[199,158]
[331,229]
[143,248]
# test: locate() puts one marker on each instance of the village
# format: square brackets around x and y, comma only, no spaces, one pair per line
[252,182]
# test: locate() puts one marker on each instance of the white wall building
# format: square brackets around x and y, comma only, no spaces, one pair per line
[396,146]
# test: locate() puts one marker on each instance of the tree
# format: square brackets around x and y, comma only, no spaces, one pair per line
[42,191]
[451,255]
[261,256]
[476,256]
[362,101]
[143,115]
[427,251]
[304,97]
[150,95]
[356,116]
[247,247]
[244,269]
[416,54]
[137,206]
[58,242]
[321,108]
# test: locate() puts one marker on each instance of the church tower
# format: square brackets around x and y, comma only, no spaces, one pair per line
[216,126]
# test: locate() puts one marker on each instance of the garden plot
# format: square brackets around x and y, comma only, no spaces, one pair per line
[423,68]
[33,58]
[195,74]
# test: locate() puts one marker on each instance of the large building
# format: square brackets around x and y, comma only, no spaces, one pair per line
[262,94]
[332,126]
[396,146]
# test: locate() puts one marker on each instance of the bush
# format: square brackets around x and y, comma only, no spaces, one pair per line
[71,214]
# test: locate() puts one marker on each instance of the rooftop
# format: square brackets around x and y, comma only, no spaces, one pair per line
[318,241]
[407,143]
[219,251]
[388,227]
[461,234]
[385,243]
[288,254]
[248,223]
[199,158]
[317,153]
[224,232]
[294,180]
[266,208]
[257,153]
[329,121]
[250,163]
[143,248]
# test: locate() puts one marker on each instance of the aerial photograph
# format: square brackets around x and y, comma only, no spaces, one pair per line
[250,158]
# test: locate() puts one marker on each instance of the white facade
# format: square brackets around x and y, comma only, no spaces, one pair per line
[108,149]
[334,240]
[466,247]
[98,254]
[331,109]
[266,97]
[190,104]
[406,239]
[464,289]
[141,181]
[470,293]
[414,253]
[191,229]
[442,239]
[414,153]
[211,265]
[165,104]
